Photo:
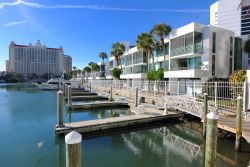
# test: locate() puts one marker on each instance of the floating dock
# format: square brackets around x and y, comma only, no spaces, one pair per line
[83,94]
[116,123]
[93,97]
[228,124]
[97,104]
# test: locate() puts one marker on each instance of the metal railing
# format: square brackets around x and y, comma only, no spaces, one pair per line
[221,95]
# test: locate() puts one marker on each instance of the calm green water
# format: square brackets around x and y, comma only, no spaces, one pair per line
[28,116]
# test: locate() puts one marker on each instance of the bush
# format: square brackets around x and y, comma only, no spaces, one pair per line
[151,75]
[238,76]
[116,73]
[156,75]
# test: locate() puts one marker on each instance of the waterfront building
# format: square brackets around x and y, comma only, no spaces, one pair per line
[133,64]
[35,59]
[7,66]
[234,15]
[199,52]
[67,64]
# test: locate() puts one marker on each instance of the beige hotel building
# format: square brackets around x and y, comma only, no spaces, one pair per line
[37,59]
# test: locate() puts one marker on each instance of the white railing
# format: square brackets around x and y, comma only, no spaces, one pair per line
[221,95]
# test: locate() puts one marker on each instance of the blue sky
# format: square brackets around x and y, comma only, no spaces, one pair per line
[86,27]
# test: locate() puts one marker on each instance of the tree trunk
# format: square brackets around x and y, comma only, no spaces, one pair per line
[146,61]
[153,60]
[164,51]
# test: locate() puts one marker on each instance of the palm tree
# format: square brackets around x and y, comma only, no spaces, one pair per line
[74,71]
[145,42]
[118,50]
[161,30]
[87,69]
[103,56]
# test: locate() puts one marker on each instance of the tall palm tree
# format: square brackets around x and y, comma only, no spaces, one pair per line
[93,66]
[145,42]
[161,30]
[118,50]
[103,56]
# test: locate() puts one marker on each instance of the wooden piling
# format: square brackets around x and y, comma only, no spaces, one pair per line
[136,97]
[204,125]
[73,149]
[205,114]
[238,124]
[90,87]
[69,96]
[59,108]
[211,139]
[111,94]
[66,90]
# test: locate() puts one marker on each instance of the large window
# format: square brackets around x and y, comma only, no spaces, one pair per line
[238,54]
[198,46]
[139,69]
[231,55]
[214,42]
[139,57]
[190,63]
[189,43]
[213,65]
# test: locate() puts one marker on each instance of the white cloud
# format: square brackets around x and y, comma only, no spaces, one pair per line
[13,23]
[95,7]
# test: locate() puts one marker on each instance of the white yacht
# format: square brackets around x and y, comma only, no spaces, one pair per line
[52,84]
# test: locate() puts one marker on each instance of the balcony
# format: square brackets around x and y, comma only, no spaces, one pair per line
[187,45]
[185,72]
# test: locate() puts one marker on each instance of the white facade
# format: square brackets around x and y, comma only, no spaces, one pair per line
[226,14]
[37,59]
[197,64]
[233,15]
[133,64]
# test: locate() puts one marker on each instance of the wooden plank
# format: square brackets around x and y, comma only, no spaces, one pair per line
[111,123]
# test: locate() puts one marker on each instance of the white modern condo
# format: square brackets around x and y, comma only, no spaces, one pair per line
[199,52]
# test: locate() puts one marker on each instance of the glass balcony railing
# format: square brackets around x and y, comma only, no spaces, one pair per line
[185,68]
[196,48]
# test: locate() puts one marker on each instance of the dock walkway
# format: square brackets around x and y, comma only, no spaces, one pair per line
[151,115]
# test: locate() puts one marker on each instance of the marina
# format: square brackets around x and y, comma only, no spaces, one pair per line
[141,145]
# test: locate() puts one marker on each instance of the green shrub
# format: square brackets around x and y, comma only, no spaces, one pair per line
[116,73]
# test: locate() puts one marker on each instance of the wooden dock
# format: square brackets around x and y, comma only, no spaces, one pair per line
[97,104]
[228,124]
[116,123]
[83,94]
[93,97]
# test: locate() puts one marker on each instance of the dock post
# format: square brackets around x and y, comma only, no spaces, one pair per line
[238,123]
[73,149]
[59,108]
[63,89]
[211,139]
[205,114]
[90,87]
[111,94]
[136,97]
[66,90]
[69,96]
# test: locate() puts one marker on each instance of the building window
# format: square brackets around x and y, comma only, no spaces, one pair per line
[231,46]
[214,42]
[213,65]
